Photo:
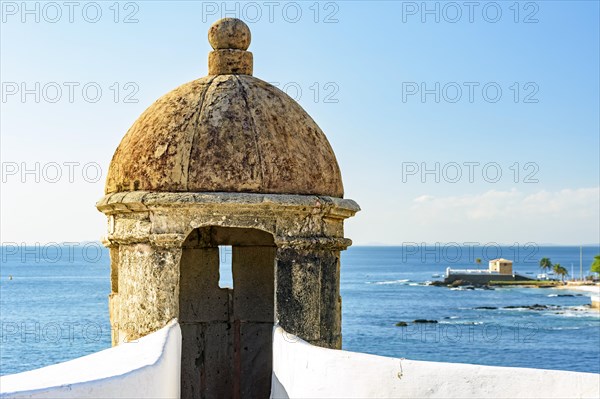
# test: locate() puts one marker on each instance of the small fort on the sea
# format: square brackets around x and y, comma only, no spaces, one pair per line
[499,270]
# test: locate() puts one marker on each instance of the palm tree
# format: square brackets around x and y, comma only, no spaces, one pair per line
[561,271]
[545,264]
[595,267]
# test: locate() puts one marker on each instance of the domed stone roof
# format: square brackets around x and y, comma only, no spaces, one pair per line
[226,132]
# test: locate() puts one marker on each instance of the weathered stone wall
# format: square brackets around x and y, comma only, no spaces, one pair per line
[147,230]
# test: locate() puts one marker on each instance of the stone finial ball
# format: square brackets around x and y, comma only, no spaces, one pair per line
[229,33]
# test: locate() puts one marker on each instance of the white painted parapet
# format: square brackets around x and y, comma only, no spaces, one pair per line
[147,368]
[301,370]
[150,368]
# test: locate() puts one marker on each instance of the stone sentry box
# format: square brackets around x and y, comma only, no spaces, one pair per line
[226,160]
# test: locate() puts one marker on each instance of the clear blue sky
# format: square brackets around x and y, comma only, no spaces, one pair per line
[367,58]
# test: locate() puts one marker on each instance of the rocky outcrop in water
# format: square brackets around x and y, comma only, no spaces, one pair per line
[417,321]
[531,307]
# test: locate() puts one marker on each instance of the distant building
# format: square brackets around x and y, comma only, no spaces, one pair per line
[501,266]
[499,270]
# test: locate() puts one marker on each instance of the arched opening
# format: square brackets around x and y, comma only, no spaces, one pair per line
[227,332]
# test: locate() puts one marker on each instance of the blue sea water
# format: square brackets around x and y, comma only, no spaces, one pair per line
[54,307]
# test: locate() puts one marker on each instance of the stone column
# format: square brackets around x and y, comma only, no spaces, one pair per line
[307,290]
[144,281]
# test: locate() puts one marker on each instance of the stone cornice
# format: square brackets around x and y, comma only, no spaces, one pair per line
[339,243]
[143,201]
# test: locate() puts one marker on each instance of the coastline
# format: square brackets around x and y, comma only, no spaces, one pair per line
[592,289]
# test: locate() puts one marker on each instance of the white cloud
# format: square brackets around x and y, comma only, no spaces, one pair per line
[511,204]
[568,216]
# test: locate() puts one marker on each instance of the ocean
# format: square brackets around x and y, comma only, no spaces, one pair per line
[54,307]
